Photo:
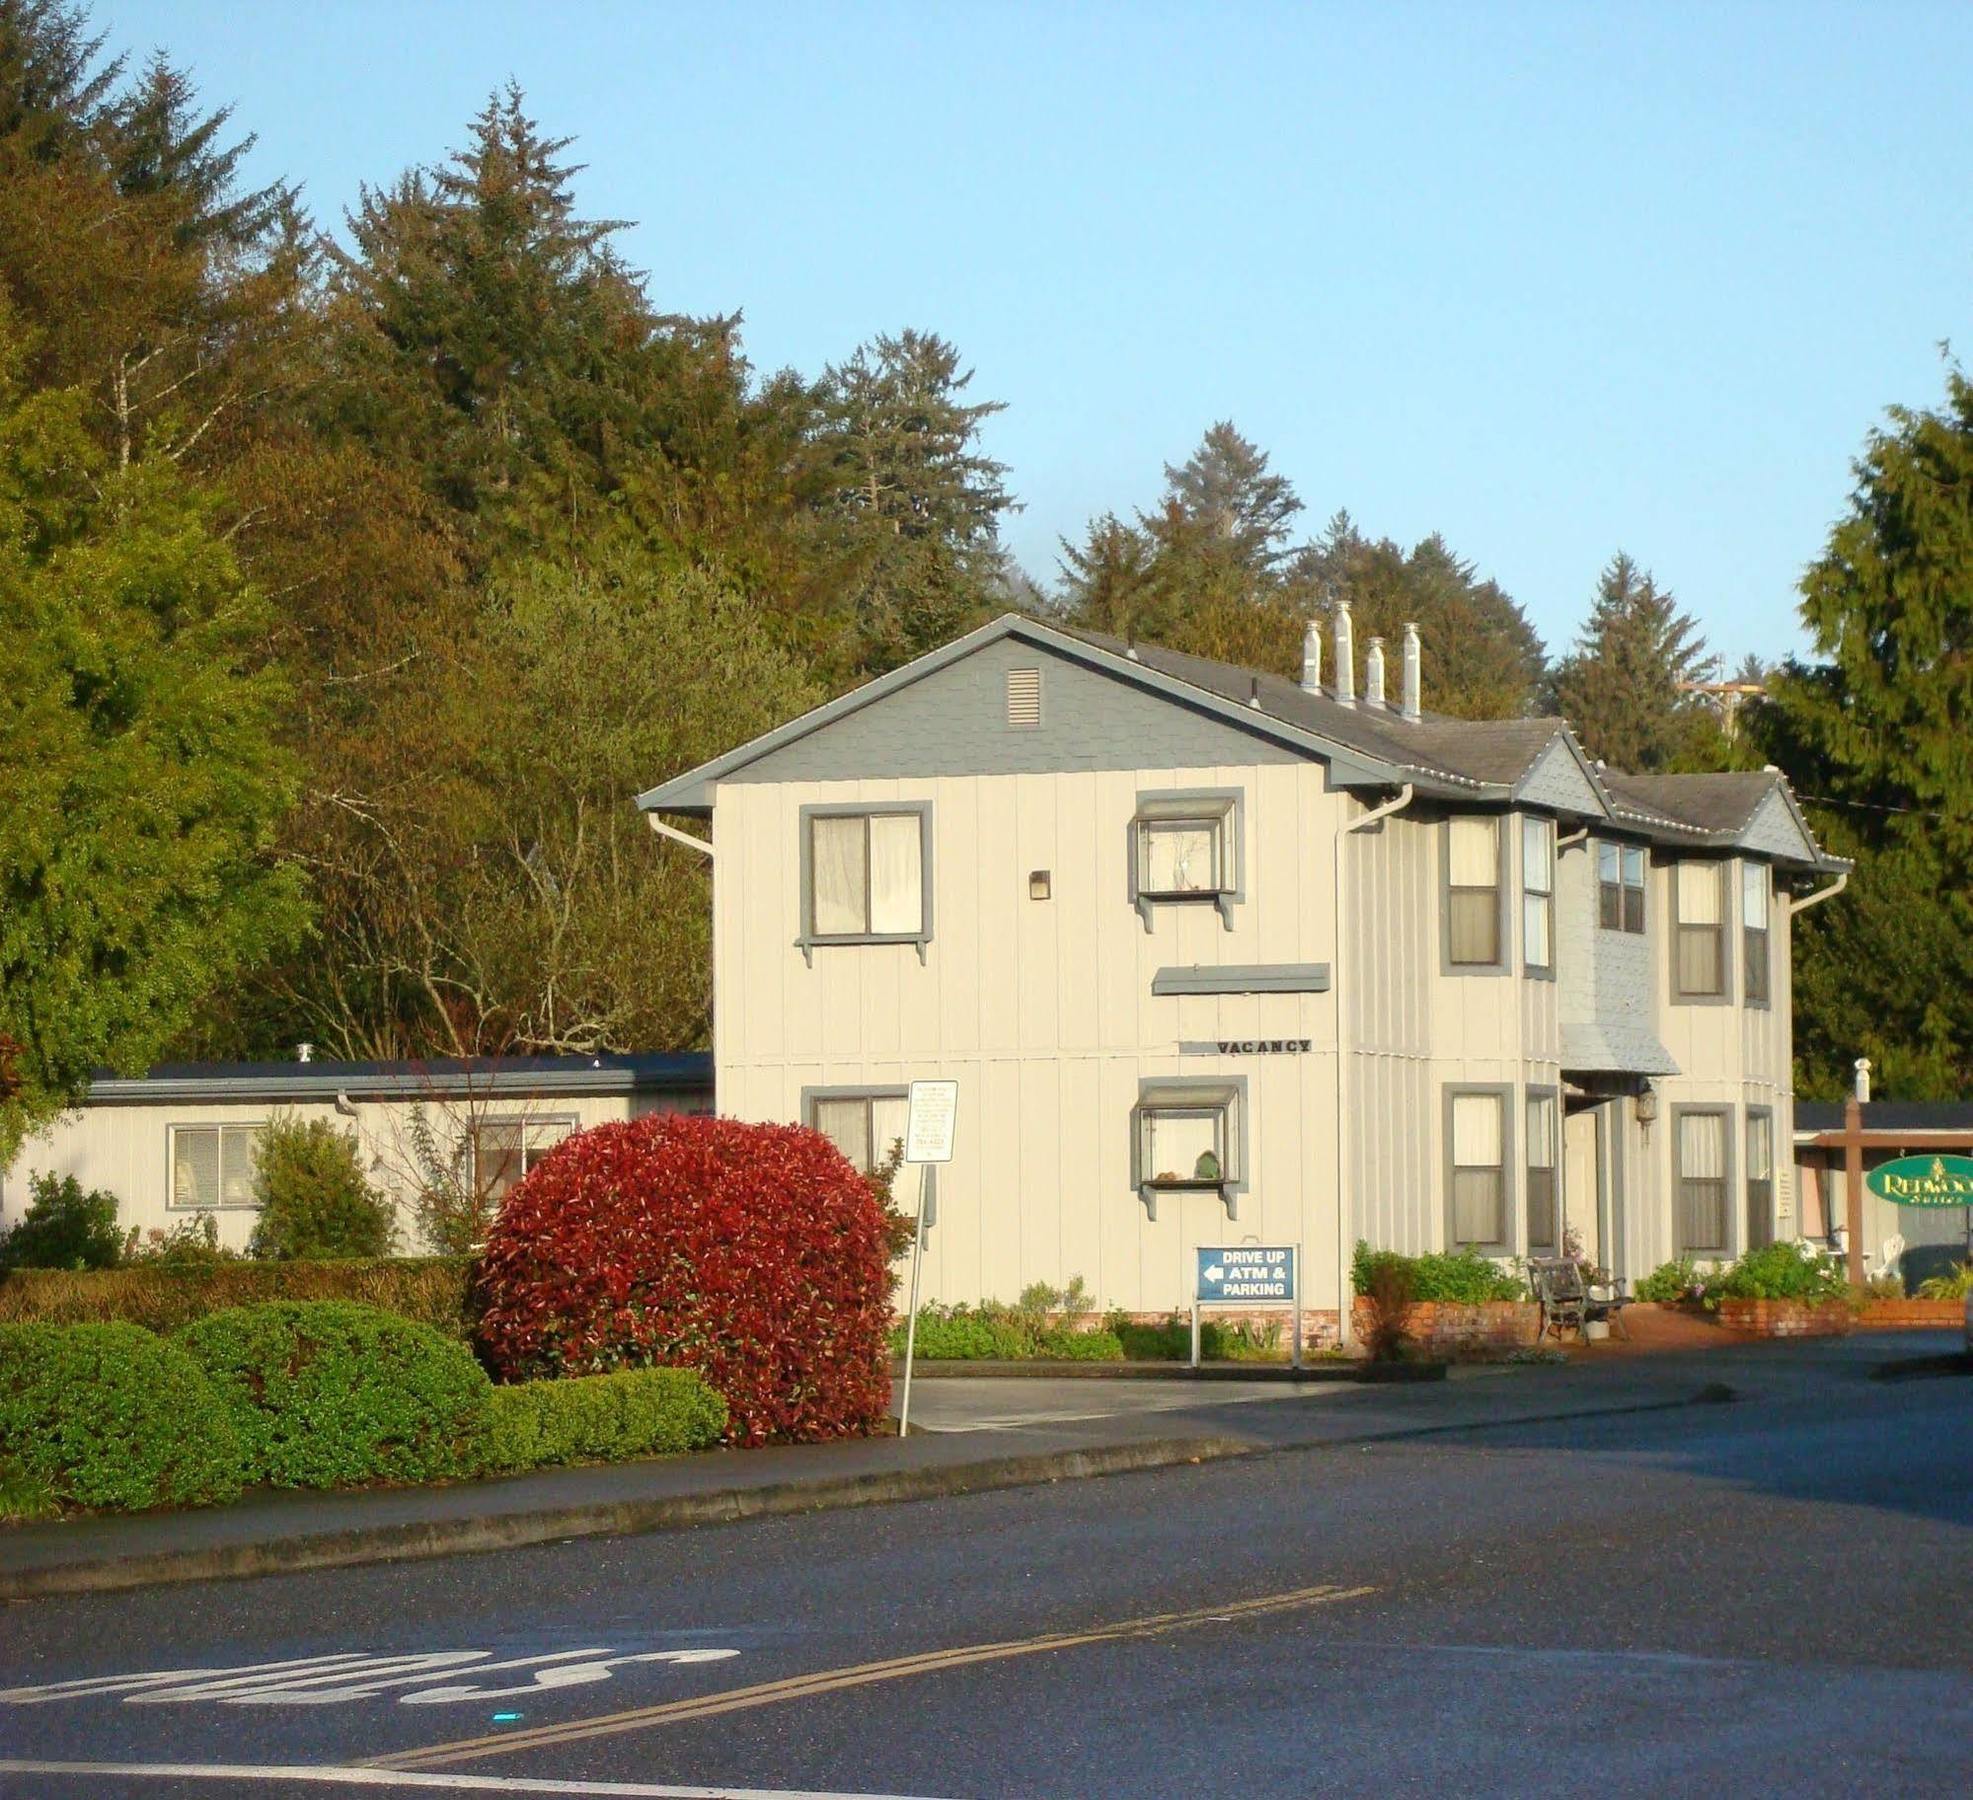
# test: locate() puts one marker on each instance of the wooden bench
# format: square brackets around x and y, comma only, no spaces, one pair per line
[1566,1300]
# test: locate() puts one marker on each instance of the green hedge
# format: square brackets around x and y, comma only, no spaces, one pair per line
[326,1393]
[108,1416]
[1777,1272]
[995,1333]
[1455,1278]
[601,1418]
[430,1289]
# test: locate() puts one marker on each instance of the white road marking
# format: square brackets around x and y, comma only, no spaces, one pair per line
[335,1775]
[356,1675]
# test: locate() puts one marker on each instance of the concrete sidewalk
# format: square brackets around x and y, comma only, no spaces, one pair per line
[302,1531]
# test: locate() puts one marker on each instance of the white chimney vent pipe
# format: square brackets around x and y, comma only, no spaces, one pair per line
[1345,656]
[304,1052]
[1409,707]
[1373,674]
[1863,1080]
[1312,658]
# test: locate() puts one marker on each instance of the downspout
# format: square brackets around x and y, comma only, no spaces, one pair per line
[1338,962]
[1821,894]
[678,837]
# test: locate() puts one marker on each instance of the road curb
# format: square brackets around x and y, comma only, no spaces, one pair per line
[962,1369]
[419,1540]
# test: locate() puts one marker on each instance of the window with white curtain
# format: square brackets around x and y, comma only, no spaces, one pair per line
[1473,893]
[504,1149]
[1699,947]
[212,1166]
[1544,1212]
[866,874]
[1538,894]
[864,1127]
[1760,1178]
[1755,892]
[1478,1159]
[1700,1147]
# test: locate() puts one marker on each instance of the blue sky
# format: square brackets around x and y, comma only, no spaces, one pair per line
[1551,280]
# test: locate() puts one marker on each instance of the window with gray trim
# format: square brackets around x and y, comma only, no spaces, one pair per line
[212,1166]
[866,874]
[1699,1152]
[502,1150]
[1760,1177]
[1538,895]
[1185,847]
[1544,1209]
[1188,1136]
[1476,1169]
[865,1126]
[1699,935]
[1473,893]
[1619,887]
[1756,892]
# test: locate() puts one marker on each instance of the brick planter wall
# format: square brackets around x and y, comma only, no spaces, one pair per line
[1442,1329]
[1788,1318]
[1911,1315]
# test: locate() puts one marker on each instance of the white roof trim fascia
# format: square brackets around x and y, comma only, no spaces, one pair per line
[690,792]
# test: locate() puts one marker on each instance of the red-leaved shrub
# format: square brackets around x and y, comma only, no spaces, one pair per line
[753,1253]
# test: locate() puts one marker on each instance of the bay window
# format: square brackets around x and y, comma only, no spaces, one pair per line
[1700,1148]
[1755,895]
[1538,896]
[1699,943]
[1544,1210]
[1473,893]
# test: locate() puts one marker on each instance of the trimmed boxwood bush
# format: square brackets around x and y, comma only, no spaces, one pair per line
[325,1393]
[753,1253]
[601,1418]
[162,1296]
[109,1416]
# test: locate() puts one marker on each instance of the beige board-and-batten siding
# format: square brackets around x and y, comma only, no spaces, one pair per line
[1043,1011]
[125,1147]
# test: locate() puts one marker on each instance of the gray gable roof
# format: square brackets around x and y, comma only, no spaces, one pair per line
[1364,746]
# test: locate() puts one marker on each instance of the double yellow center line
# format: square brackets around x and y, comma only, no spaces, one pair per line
[831,1681]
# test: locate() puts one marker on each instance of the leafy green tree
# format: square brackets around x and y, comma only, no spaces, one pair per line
[315,1201]
[1873,732]
[64,1227]
[137,750]
[1624,688]
[1479,657]
[918,501]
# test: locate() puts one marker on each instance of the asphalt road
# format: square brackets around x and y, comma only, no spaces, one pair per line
[1757,1598]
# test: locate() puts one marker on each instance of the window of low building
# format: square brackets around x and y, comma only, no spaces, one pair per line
[502,1150]
[1544,1209]
[865,875]
[1699,944]
[1473,893]
[1184,848]
[1620,887]
[1760,1177]
[1187,1136]
[866,1127]
[1476,1156]
[1755,893]
[1700,1148]
[212,1166]
[1538,895]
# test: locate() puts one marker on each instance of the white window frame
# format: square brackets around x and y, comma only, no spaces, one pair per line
[814,1099]
[249,1129]
[810,937]
[1538,901]
[1224,1100]
[1757,941]
[1221,811]
[564,1125]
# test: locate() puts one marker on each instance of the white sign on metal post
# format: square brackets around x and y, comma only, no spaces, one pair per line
[934,1108]
[928,1130]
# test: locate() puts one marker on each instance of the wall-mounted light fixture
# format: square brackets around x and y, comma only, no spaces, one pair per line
[1646,1104]
[1038,886]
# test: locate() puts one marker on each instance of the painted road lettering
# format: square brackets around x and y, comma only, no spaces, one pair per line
[358,1675]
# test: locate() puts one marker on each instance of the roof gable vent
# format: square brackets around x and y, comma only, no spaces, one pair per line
[1023,699]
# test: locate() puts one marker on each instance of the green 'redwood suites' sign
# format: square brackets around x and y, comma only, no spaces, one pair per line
[1924,1181]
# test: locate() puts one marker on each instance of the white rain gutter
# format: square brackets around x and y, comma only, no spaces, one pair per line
[678,837]
[1337,964]
[1821,894]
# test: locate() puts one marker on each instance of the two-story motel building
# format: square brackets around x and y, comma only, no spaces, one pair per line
[1219,957]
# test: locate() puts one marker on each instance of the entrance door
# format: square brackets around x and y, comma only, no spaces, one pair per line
[1581,1180]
